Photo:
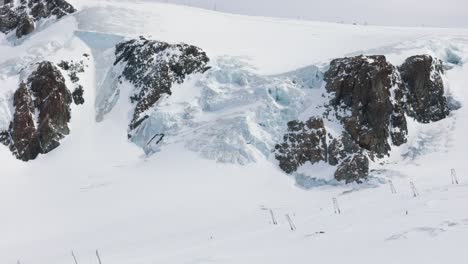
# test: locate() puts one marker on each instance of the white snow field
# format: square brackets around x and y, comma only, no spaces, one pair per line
[205,196]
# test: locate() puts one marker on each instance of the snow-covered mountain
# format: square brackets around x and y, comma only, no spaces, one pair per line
[162,133]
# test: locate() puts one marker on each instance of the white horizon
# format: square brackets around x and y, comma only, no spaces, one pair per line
[412,13]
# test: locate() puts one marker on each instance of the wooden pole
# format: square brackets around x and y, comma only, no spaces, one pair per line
[336,206]
[273,219]
[74,257]
[98,257]
[413,188]
[392,187]
[291,223]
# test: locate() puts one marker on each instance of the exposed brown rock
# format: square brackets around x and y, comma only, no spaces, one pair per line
[303,142]
[78,95]
[354,168]
[21,15]
[340,148]
[25,27]
[42,113]
[361,89]
[153,67]
[422,76]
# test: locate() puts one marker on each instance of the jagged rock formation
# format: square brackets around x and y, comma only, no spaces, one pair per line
[353,169]
[42,113]
[74,69]
[78,95]
[25,26]
[23,15]
[369,97]
[303,142]
[340,148]
[153,67]
[362,89]
[424,88]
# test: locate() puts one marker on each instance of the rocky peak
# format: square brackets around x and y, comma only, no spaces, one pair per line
[369,97]
[422,76]
[304,142]
[153,67]
[42,113]
[22,15]
[361,91]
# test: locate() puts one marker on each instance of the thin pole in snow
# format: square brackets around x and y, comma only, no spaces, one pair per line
[453,173]
[336,206]
[291,223]
[74,257]
[98,257]
[392,187]
[273,218]
[413,189]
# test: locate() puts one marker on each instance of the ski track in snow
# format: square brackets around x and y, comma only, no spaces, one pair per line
[445,226]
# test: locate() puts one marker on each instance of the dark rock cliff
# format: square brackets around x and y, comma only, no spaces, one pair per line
[361,89]
[422,76]
[370,98]
[42,113]
[23,16]
[153,67]
[303,142]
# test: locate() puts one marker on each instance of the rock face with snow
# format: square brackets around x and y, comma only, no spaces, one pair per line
[23,14]
[340,148]
[42,113]
[369,97]
[422,75]
[153,67]
[366,96]
[303,142]
[78,95]
[74,69]
[353,169]
[25,26]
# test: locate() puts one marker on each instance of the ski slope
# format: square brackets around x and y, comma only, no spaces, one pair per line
[98,191]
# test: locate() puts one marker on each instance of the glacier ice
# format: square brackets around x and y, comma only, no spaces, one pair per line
[229,114]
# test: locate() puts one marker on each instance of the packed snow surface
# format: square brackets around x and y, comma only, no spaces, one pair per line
[208,194]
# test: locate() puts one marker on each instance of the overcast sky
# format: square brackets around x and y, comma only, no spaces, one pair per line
[439,13]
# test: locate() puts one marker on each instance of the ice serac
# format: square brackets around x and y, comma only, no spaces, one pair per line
[304,142]
[422,75]
[153,67]
[42,113]
[367,97]
[22,15]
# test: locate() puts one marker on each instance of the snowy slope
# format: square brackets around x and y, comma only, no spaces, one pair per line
[99,191]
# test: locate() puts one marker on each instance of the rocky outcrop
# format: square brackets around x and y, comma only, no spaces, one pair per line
[341,148]
[153,67]
[370,98]
[25,26]
[21,15]
[74,69]
[422,76]
[42,113]
[304,142]
[307,142]
[354,168]
[78,95]
[9,18]
[352,162]
[362,89]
